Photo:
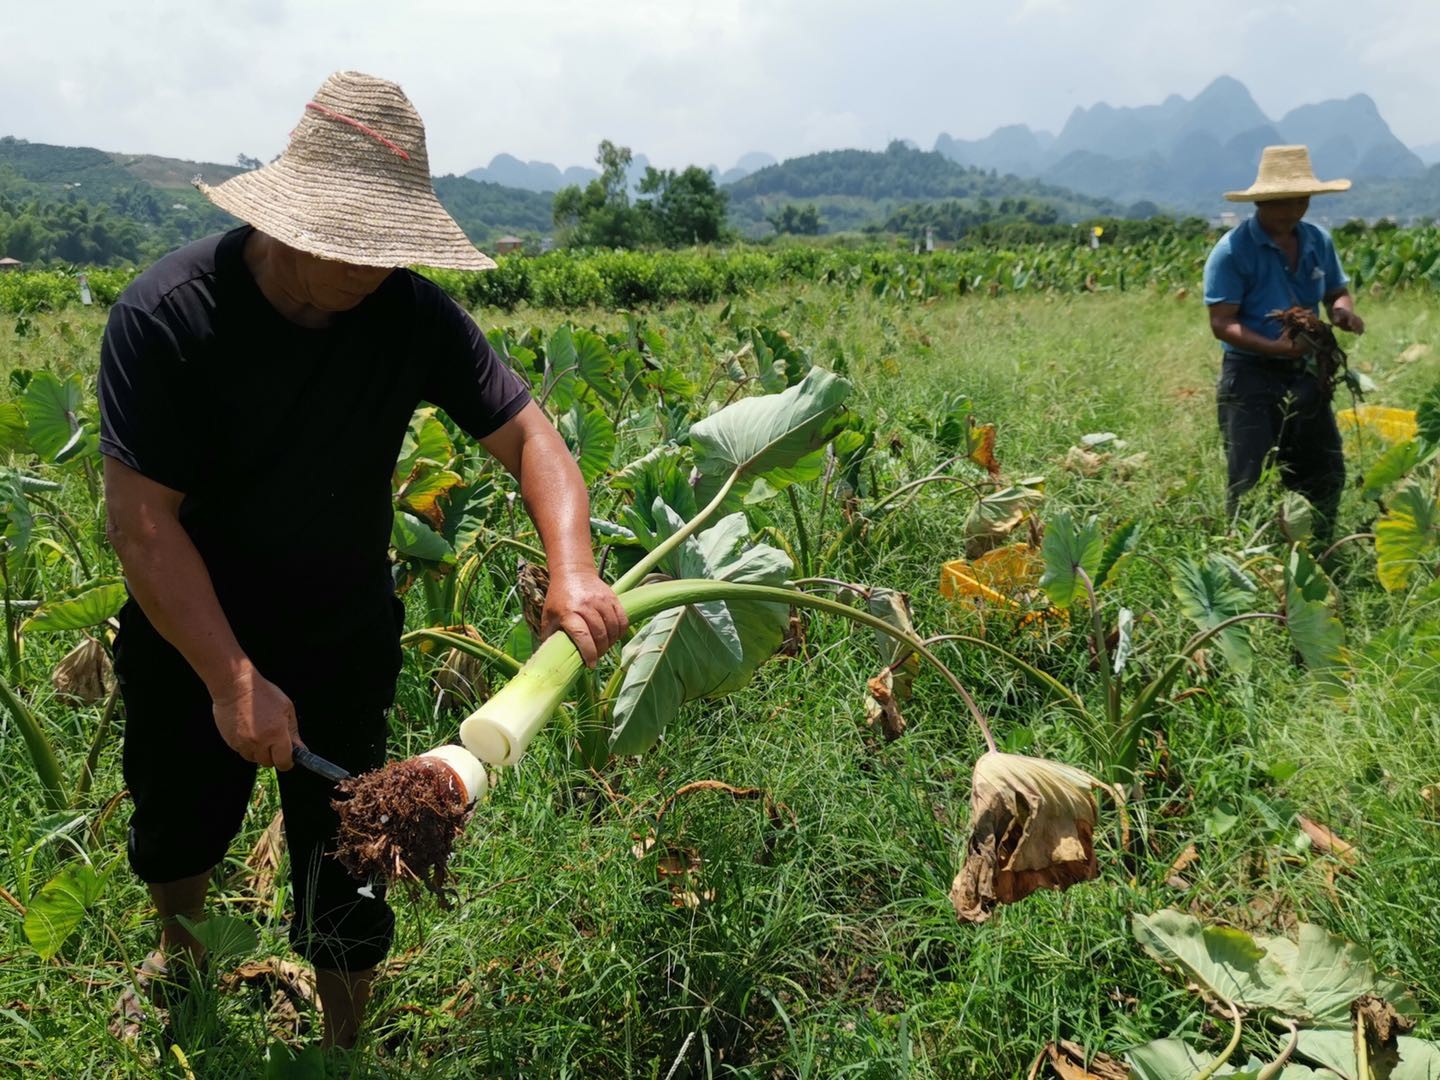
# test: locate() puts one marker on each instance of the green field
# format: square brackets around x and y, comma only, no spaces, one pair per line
[817,939]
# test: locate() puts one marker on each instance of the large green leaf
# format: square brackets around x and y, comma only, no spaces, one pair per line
[1332,972]
[562,370]
[1391,467]
[1405,538]
[423,489]
[1334,1048]
[1427,416]
[283,1063]
[225,937]
[1318,636]
[1174,1059]
[699,650]
[1211,592]
[590,435]
[1296,518]
[52,418]
[425,440]
[1067,550]
[774,437]
[15,516]
[78,608]
[596,365]
[663,473]
[1223,964]
[12,426]
[1122,542]
[56,911]
[414,539]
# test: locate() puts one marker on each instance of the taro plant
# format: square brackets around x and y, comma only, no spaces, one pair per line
[1326,1009]
[711,604]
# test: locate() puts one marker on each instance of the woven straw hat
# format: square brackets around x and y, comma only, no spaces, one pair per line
[354,184]
[1285,173]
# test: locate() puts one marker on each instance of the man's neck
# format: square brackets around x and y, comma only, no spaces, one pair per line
[267,265]
[1279,233]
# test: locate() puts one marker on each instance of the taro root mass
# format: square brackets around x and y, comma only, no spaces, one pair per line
[400,822]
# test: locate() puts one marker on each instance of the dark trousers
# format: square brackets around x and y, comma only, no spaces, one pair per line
[1273,406]
[191,790]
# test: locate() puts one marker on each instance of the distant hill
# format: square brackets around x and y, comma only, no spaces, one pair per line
[856,188]
[1186,153]
[79,204]
[510,171]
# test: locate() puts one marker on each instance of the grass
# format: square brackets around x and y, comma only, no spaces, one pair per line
[826,945]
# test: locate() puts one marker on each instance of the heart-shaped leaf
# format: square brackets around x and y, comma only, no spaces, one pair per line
[56,911]
[590,435]
[1222,964]
[773,437]
[78,608]
[1212,592]
[699,650]
[1067,550]
[1406,537]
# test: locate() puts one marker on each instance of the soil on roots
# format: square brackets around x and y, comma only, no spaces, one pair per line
[400,823]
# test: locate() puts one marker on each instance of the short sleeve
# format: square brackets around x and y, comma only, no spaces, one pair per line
[1335,277]
[465,377]
[140,421]
[1223,281]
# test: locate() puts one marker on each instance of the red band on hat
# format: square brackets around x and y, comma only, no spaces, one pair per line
[357,125]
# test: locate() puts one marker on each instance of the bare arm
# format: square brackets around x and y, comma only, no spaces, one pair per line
[1341,306]
[1225,324]
[577,602]
[172,586]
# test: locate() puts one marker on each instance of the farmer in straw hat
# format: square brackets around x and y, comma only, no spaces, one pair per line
[1269,397]
[255,388]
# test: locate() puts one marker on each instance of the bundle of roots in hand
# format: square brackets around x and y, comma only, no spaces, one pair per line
[1316,337]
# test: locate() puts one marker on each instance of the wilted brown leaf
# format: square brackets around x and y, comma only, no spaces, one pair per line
[1322,839]
[982,448]
[85,676]
[1069,1061]
[291,991]
[1411,353]
[881,707]
[1032,825]
[533,582]
[1382,1024]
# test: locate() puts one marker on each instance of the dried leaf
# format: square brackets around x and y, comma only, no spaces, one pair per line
[85,676]
[1084,462]
[1382,1024]
[1182,862]
[1032,825]
[263,862]
[1069,1061]
[982,448]
[881,707]
[1322,839]
[460,676]
[1411,353]
[532,582]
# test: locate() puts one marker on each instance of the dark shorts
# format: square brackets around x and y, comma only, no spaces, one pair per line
[191,791]
[1273,407]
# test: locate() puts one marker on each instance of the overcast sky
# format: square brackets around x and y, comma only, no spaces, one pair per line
[684,81]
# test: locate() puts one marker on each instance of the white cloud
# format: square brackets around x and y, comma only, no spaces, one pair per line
[683,80]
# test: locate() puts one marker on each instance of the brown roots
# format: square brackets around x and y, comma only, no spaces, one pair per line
[400,823]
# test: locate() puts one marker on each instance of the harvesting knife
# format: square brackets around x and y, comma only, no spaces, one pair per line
[318,765]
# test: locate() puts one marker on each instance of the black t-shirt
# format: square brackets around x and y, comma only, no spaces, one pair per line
[282,438]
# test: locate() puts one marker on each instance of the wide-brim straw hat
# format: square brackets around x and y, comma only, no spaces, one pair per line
[353,185]
[1286,173]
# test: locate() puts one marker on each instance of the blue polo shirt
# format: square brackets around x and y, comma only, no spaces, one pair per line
[1248,268]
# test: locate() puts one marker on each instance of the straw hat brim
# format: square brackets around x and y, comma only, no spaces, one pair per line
[358,219]
[1295,189]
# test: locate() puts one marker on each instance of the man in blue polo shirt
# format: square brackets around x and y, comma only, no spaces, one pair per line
[1269,397]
